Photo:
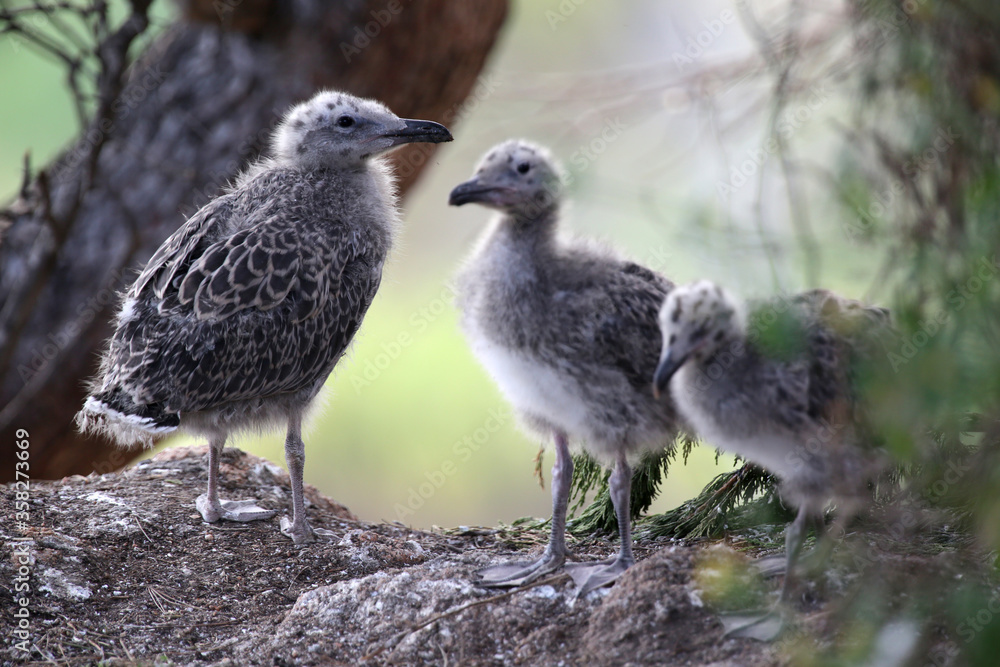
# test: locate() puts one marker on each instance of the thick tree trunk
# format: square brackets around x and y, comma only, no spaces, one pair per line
[197,107]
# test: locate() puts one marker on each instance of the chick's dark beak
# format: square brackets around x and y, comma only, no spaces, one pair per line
[468,192]
[666,369]
[419,131]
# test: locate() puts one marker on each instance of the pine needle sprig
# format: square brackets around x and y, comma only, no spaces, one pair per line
[647,476]
[748,491]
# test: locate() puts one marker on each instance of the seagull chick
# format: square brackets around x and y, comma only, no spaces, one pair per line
[240,316]
[565,330]
[781,389]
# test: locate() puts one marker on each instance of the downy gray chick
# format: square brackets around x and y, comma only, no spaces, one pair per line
[564,328]
[781,389]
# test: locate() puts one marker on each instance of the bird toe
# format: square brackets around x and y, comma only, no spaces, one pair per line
[591,576]
[762,626]
[299,532]
[231,510]
[771,566]
[244,510]
[208,513]
[518,573]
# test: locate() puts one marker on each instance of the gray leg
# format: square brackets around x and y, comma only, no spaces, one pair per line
[815,561]
[768,625]
[772,566]
[518,574]
[621,496]
[295,456]
[211,508]
[591,577]
[795,537]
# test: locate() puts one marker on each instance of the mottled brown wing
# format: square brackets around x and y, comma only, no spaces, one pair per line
[848,317]
[174,257]
[627,328]
[254,353]
[275,310]
[840,333]
[256,268]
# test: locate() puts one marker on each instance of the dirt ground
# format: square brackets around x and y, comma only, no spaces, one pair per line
[122,570]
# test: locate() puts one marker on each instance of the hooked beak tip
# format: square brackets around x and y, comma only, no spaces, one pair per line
[467,193]
[665,370]
[420,131]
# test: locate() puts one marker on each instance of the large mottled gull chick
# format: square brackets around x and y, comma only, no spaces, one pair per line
[240,316]
[780,387]
[565,329]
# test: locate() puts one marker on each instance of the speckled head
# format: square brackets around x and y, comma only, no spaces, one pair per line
[696,320]
[516,177]
[339,130]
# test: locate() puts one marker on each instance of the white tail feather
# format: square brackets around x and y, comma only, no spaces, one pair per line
[126,430]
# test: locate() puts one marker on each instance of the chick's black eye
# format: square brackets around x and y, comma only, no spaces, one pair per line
[523,168]
[345,121]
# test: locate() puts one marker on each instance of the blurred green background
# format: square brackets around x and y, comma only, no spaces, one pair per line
[603,84]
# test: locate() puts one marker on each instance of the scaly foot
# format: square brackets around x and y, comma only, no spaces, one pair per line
[591,576]
[765,626]
[771,566]
[520,573]
[303,533]
[231,510]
